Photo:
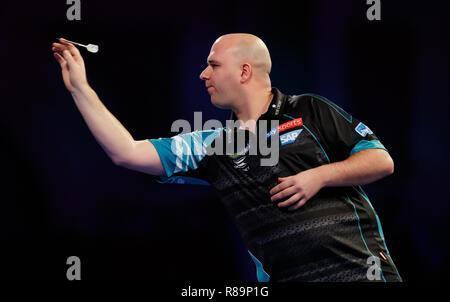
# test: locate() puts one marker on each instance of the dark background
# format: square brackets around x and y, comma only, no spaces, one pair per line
[62,196]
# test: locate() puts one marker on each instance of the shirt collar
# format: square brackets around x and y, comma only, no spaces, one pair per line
[275,107]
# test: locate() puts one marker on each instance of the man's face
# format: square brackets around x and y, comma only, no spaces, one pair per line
[222,76]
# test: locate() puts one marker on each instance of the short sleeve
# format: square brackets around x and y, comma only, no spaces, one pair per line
[181,156]
[341,133]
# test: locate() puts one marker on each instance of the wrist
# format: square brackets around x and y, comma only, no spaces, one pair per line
[81,89]
[323,174]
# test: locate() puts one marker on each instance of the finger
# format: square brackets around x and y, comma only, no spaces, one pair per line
[60,46]
[280,187]
[284,193]
[75,52]
[58,49]
[68,57]
[294,198]
[300,203]
[59,58]
[64,41]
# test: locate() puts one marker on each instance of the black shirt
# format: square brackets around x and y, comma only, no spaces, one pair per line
[332,236]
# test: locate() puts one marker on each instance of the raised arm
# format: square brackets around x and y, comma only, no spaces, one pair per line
[112,136]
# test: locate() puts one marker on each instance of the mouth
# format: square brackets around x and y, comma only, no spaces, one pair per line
[210,89]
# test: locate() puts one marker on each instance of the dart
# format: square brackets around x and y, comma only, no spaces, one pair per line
[90,47]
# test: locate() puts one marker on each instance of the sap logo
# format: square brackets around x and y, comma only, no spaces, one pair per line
[363,130]
[289,137]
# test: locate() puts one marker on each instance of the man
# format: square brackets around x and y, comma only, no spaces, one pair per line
[305,218]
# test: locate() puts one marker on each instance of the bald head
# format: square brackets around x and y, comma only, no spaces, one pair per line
[247,48]
[237,71]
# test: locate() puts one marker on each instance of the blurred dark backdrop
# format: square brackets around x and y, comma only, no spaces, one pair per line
[62,196]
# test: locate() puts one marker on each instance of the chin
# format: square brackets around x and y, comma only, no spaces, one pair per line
[220,105]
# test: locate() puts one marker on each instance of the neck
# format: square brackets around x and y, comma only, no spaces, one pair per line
[254,105]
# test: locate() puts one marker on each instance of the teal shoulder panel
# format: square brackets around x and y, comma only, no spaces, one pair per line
[364,144]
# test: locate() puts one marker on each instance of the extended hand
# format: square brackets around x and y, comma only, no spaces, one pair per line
[301,187]
[72,64]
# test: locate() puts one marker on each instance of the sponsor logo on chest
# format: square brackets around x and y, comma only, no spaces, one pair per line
[290,137]
[291,124]
[239,163]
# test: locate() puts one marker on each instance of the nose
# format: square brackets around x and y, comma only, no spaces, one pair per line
[204,75]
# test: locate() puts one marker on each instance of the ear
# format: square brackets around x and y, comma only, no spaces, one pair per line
[246,72]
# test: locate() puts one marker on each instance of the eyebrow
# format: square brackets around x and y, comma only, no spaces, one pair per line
[212,62]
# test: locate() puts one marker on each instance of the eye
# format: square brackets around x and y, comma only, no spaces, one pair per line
[214,65]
